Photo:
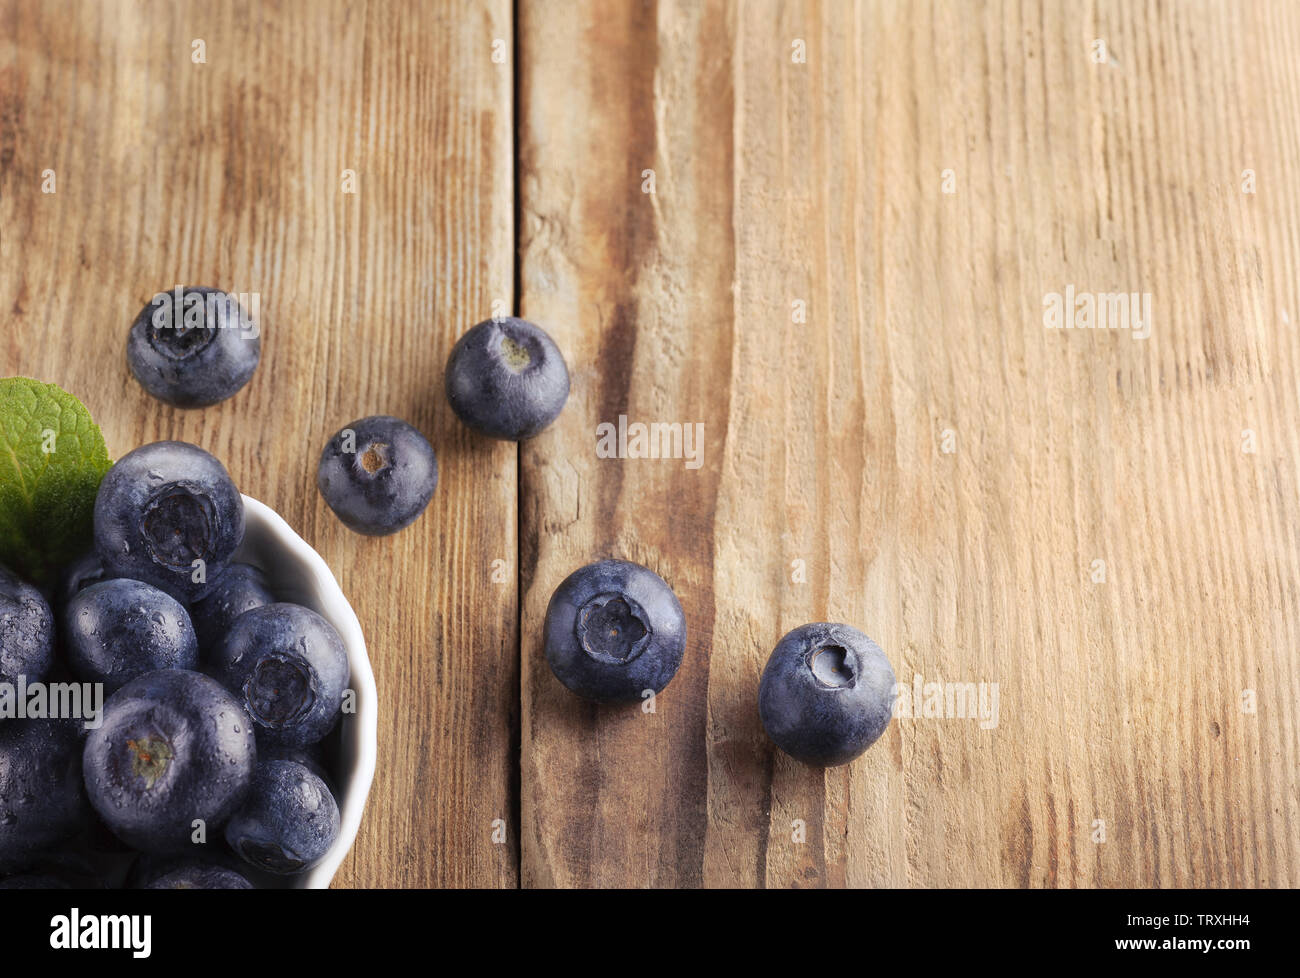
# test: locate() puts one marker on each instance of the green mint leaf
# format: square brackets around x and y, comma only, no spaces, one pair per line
[52,458]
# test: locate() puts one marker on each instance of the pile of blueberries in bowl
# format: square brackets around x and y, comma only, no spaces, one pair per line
[213,758]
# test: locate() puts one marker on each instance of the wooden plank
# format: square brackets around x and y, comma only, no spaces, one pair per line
[635,287]
[1171,458]
[231,173]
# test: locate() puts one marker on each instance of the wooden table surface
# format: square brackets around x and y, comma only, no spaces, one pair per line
[859,212]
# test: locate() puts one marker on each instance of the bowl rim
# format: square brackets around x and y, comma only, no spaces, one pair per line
[338,610]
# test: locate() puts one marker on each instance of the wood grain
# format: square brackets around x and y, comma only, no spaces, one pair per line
[629,284]
[823,183]
[841,274]
[230,173]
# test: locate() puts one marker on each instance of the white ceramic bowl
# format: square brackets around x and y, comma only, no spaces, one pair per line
[297,573]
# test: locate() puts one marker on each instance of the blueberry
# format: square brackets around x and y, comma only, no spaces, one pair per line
[168,514]
[211,862]
[289,821]
[174,747]
[241,587]
[191,874]
[311,757]
[42,801]
[99,837]
[827,693]
[288,668]
[26,631]
[614,629]
[196,353]
[377,474]
[119,629]
[75,577]
[506,379]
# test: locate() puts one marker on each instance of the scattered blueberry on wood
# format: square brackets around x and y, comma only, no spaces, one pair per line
[507,379]
[194,353]
[614,630]
[827,693]
[377,475]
